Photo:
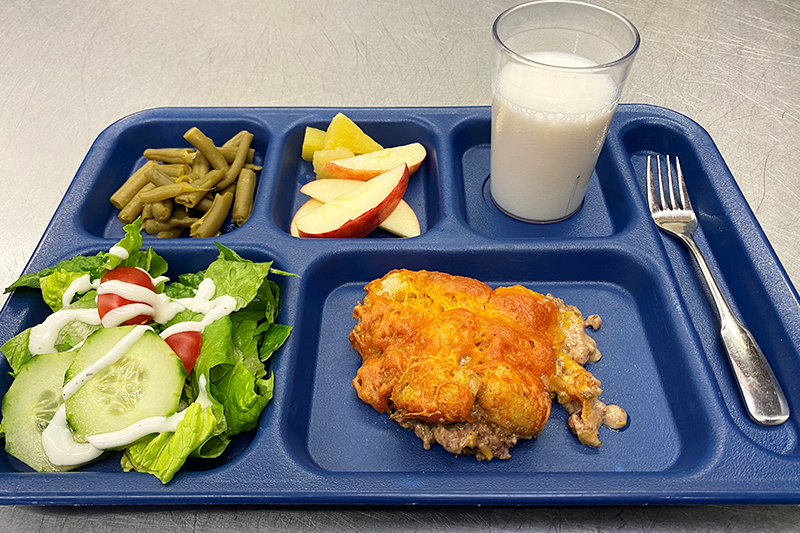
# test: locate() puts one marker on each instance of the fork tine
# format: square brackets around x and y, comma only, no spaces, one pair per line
[682,184]
[673,204]
[652,199]
[664,204]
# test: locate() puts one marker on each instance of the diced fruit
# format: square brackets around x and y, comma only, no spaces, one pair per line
[305,209]
[344,132]
[313,140]
[367,166]
[402,221]
[323,157]
[146,381]
[358,212]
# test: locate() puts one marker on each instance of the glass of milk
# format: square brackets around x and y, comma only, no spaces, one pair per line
[559,71]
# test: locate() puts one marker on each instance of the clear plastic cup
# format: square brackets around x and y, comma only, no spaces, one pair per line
[560,67]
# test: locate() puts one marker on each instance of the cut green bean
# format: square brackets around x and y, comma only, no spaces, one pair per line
[200,165]
[205,145]
[170,155]
[132,186]
[158,178]
[238,163]
[243,201]
[234,141]
[203,184]
[173,171]
[133,209]
[162,210]
[173,233]
[168,191]
[210,223]
[229,153]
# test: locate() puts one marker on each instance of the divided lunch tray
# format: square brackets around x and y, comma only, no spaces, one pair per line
[688,438]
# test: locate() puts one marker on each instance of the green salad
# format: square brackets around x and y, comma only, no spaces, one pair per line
[131,361]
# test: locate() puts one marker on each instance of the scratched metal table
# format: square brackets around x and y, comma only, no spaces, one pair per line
[69,69]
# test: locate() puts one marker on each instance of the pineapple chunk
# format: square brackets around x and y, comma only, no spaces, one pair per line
[344,132]
[313,140]
[322,157]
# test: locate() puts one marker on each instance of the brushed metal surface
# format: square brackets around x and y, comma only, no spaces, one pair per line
[69,69]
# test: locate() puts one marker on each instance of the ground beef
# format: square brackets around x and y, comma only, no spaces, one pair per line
[481,438]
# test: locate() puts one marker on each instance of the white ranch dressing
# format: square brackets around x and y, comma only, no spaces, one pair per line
[80,285]
[111,357]
[43,336]
[119,251]
[61,448]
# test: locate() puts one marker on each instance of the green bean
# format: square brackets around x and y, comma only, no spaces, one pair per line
[254,168]
[229,153]
[243,202]
[210,223]
[158,178]
[170,155]
[147,212]
[205,145]
[203,184]
[162,210]
[175,170]
[132,186]
[238,163]
[167,191]
[180,219]
[234,141]
[200,165]
[133,209]
[172,233]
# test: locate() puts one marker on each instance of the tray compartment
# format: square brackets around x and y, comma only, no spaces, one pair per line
[643,370]
[118,153]
[606,209]
[423,193]
[26,309]
[723,245]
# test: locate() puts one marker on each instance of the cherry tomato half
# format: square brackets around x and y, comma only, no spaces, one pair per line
[126,274]
[186,345]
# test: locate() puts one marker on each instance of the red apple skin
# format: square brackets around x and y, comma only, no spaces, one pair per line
[340,168]
[367,221]
[304,209]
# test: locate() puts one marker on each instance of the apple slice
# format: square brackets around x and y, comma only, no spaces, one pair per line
[402,222]
[358,212]
[367,166]
[305,209]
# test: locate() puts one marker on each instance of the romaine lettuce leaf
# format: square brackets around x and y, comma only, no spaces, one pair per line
[16,350]
[55,285]
[165,453]
[99,264]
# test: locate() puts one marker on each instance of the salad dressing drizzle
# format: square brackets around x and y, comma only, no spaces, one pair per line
[62,449]
[57,438]
[43,336]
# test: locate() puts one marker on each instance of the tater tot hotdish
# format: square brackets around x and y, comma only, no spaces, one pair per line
[472,368]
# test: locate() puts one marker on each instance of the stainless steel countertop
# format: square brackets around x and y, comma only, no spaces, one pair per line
[69,69]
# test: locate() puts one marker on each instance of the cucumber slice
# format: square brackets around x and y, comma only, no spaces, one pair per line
[146,381]
[29,405]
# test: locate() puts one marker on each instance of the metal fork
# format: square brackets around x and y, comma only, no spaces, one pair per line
[762,394]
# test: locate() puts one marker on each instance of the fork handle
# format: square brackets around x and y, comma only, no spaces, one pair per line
[762,394]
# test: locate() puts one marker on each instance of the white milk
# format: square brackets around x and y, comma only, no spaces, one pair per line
[548,127]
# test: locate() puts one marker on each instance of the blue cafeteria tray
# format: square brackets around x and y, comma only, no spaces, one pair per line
[688,440]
